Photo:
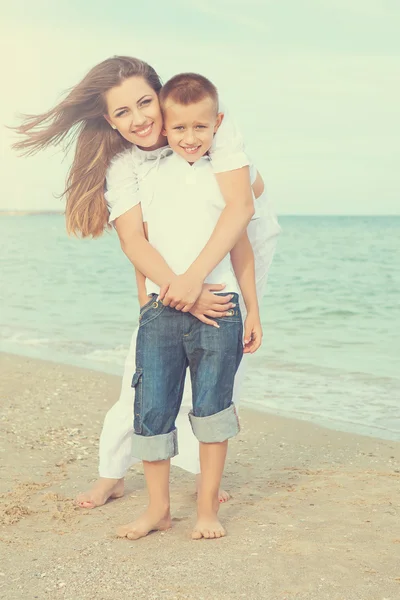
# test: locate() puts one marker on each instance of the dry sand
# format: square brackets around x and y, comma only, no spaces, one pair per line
[314,513]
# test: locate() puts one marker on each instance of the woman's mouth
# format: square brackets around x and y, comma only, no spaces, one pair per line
[143,131]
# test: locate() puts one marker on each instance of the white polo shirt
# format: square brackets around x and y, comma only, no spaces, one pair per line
[181,205]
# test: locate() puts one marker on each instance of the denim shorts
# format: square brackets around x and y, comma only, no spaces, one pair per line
[168,343]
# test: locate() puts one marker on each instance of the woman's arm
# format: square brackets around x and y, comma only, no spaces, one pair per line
[242,258]
[146,259]
[141,288]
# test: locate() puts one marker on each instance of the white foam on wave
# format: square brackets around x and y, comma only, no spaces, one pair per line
[19,338]
[115,355]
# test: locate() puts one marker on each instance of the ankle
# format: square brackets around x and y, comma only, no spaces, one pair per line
[160,507]
[208,505]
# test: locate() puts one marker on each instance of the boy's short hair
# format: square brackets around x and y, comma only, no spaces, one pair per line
[188,88]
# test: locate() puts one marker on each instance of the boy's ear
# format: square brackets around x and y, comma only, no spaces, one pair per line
[164,132]
[220,118]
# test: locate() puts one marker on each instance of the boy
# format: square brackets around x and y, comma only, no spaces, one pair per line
[181,204]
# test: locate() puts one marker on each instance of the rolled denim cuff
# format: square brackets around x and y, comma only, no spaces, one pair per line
[155,447]
[216,428]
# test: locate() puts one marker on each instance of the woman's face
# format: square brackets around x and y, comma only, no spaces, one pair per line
[134,110]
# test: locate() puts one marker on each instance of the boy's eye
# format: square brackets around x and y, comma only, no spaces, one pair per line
[178,128]
[201,127]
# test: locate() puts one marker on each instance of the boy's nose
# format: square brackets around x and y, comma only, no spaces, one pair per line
[189,137]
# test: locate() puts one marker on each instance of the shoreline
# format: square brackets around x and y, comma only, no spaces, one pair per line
[314,512]
[321,420]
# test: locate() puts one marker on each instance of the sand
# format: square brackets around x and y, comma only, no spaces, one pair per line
[314,512]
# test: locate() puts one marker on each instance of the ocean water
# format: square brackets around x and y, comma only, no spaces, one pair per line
[331,316]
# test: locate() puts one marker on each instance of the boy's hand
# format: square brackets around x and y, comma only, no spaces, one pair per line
[182,292]
[252,333]
[210,305]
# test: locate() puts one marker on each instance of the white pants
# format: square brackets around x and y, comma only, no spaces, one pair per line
[116,438]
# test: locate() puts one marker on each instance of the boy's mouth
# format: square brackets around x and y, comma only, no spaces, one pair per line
[191,149]
[144,131]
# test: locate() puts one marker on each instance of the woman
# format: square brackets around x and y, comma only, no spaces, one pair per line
[114,115]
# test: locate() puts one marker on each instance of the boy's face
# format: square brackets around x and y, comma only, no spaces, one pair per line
[190,129]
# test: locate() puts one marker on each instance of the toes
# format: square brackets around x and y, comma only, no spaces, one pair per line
[223,496]
[86,504]
[122,532]
[196,535]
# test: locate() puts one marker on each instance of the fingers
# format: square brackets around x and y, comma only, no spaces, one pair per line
[248,333]
[222,299]
[252,344]
[207,321]
[214,287]
[180,306]
[216,313]
[188,307]
[171,302]
[166,300]
[164,289]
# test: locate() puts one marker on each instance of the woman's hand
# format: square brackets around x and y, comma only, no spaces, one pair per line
[143,299]
[210,305]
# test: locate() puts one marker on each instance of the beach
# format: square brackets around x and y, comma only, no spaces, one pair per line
[314,512]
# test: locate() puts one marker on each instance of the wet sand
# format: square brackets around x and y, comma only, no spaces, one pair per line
[314,513]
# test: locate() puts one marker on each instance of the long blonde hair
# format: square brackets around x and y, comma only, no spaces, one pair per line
[80,117]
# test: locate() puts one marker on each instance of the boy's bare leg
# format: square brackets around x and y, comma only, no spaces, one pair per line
[212,462]
[157,516]
[101,491]
[223,495]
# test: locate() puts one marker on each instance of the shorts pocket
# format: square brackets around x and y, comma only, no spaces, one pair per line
[150,311]
[137,385]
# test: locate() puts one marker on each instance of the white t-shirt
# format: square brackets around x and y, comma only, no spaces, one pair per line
[226,154]
[181,205]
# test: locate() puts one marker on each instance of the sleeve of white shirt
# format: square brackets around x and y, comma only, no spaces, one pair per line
[122,187]
[227,150]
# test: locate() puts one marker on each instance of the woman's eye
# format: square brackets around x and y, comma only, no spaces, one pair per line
[145,102]
[120,114]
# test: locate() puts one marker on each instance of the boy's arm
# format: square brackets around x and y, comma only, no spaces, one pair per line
[242,258]
[236,189]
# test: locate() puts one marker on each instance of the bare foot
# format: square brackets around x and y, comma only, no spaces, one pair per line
[208,527]
[153,519]
[223,496]
[103,489]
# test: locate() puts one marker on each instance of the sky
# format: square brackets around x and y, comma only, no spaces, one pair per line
[313,84]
